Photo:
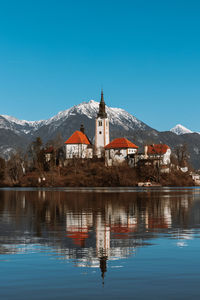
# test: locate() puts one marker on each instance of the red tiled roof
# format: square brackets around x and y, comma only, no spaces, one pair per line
[49,150]
[78,138]
[120,143]
[157,149]
[157,223]
[78,237]
[122,229]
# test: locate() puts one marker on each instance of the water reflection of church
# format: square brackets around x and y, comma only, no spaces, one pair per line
[92,229]
[117,230]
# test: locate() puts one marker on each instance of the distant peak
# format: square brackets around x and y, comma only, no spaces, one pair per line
[180,129]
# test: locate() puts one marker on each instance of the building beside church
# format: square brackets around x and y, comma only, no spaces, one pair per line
[78,145]
[118,151]
[160,153]
[102,136]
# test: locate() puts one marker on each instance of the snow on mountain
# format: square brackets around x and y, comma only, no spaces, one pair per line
[21,122]
[180,129]
[18,126]
[117,117]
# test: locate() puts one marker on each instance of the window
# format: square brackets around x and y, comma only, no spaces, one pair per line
[100,123]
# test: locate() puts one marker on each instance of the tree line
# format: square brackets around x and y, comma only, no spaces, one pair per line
[34,159]
[48,158]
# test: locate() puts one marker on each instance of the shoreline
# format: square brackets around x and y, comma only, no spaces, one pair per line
[101,189]
[96,174]
[95,187]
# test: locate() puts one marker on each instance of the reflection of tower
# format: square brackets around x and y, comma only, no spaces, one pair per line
[102,237]
[102,243]
[102,128]
[103,266]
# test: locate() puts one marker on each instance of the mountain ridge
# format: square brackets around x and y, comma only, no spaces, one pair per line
[89,108]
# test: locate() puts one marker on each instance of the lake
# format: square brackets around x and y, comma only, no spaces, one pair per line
[100,243]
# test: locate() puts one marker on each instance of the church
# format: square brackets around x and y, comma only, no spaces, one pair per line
[78,144]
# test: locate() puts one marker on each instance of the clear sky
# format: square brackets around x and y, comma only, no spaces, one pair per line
[145,53]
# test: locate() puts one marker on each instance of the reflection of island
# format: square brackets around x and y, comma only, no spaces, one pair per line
[93,228]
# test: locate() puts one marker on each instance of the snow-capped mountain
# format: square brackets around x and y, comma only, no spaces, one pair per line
[15,133]
[117,116]
[180,129]
[18,126]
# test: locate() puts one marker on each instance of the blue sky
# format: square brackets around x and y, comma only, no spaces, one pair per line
[145,54]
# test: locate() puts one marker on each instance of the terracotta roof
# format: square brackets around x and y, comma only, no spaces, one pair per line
[157,223]
[49,150]
[78,138]
[78,237]
[122,229]
[157,149]
[120,143]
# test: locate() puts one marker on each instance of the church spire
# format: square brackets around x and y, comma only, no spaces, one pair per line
[102,108]
[102,99]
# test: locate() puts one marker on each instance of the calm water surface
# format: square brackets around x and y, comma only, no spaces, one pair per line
[92,244]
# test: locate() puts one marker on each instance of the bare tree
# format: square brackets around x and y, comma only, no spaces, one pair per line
[15,167]
[36,154]
[2,169]
[182,155]
[57,154]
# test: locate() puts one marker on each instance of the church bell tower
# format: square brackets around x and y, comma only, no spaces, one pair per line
[102,128]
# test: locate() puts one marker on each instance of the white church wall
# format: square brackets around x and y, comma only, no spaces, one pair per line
[117,156]
[78,150]
[166,157]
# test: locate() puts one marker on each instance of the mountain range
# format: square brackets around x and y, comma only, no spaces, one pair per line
[17,134]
